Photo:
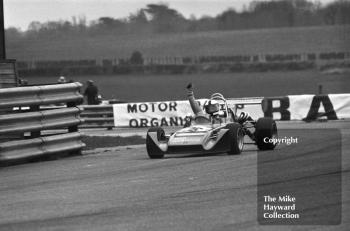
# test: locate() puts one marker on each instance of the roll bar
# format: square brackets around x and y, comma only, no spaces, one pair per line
[219,96]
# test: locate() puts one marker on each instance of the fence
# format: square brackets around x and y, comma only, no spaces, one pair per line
[8,73]
[234,63]
[169,60]
[22,131]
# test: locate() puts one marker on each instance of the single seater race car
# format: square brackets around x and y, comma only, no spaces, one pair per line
[221,131]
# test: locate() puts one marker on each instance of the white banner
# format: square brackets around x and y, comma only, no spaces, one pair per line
[292,107]
[148,114]
[308,107]
[341,105]
[171,113]
[299,106]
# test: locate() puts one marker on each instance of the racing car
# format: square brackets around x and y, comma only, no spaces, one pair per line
[221,131]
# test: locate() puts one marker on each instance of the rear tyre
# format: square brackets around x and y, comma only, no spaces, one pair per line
[236,138]
[265,129]
[154,152]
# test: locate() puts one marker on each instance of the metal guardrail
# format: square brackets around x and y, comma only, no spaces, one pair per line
[97,116]
[41,120]
[40,95]
[37,147]
[15,122]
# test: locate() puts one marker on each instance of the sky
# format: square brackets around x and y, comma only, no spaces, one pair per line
[19,13]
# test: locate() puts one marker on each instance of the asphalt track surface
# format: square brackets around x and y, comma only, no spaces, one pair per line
[121,189]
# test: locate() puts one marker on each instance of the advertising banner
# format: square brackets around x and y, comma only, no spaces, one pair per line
[307,107]
[152,114]
[171,113]
[292,107]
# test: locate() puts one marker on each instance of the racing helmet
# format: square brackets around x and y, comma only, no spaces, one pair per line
[211,106]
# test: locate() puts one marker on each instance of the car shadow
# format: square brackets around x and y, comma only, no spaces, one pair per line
[194,155]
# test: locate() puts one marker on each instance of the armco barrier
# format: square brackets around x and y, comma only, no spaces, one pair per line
[97,116]
[15,125]
[40,95]
[13,151]
[41,120]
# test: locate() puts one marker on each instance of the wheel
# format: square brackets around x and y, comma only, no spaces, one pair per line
[265,128]
[152,149]
[236,138]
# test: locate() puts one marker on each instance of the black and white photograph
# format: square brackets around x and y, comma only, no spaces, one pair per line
[179,115]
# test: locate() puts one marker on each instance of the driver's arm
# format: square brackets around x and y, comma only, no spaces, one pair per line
[197,110]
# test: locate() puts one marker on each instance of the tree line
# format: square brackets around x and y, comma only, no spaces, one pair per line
[160,18]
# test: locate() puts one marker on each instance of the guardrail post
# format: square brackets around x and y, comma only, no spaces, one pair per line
[35,134]
[73,128]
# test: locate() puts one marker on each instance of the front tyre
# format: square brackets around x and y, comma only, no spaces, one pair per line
[153,151]
[236,138]
[265,129]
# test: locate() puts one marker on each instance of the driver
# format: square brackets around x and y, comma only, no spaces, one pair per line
[197,110]
[211,107]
